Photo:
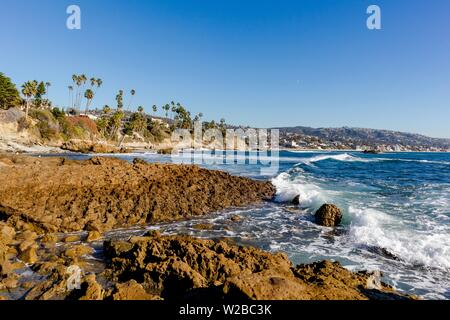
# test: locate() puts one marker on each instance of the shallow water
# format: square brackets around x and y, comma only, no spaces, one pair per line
[396,214]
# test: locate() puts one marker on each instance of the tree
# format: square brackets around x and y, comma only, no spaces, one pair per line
[132,92]
[40,93]
[140,109]
[9,96]
[155,109]
[106,109]
[172,109]
[89,95]
[29,89]
[119,99]
[80,81]
[166,108]
[71,96]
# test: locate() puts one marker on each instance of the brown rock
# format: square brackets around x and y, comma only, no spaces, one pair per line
[176,266]
[29,256]
[91,289]
[10,282]
[328,215]
[23,246]
[78,251]
[235,218]
[113,193]
[204,226]
[132,290]
[7,233]
[93,236]
[73,238]
[50,238]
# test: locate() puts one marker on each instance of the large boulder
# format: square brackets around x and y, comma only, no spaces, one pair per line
[328,215]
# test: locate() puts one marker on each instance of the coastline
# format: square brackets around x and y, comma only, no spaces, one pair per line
[34,238]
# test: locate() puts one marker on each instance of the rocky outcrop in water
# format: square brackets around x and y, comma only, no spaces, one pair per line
[50,195]
[328,215]
[181,267]
[176,268]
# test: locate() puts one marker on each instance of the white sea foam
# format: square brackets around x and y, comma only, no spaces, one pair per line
[375,228]
[338,157]
[288,188]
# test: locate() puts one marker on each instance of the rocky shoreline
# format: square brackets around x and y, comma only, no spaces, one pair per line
[43,201]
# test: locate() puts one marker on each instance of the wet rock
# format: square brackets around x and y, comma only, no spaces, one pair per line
[93,236]
[203,226]
[29,256]
[49,238]
[116,248]
[179,267]
[73,238]
[328,215]
[90,289]
[137,161]
[296,200]
[23,246]
[53,288]
[10,282]
[7,233]
[132,290]
[235,218]
[78,251]
[28,235]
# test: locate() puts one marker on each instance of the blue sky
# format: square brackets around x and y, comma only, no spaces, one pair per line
[254,62]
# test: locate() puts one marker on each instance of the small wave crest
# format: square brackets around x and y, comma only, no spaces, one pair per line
[337,157]
[288,187]
[375,228]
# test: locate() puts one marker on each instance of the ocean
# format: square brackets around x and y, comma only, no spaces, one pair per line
[396,210]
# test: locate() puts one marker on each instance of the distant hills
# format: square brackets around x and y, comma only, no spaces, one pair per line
[354,137]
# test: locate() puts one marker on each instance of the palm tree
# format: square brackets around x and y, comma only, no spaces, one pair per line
[132,92]
[89,95]
[140,109]
[81,83]
[47,85]
[70,96]
[155,109]
[167,108]
[99,83]
[29,89]
[119,99]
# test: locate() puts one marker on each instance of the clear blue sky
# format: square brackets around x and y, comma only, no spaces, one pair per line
[254,62]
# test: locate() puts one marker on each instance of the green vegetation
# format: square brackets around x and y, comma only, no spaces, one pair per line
[111,124]
[9,96]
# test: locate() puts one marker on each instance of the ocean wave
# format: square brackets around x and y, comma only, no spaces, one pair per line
[375,228]
[346,157]
[288,187]
[337,157]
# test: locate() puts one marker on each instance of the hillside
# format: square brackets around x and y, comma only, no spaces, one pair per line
[354,138]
